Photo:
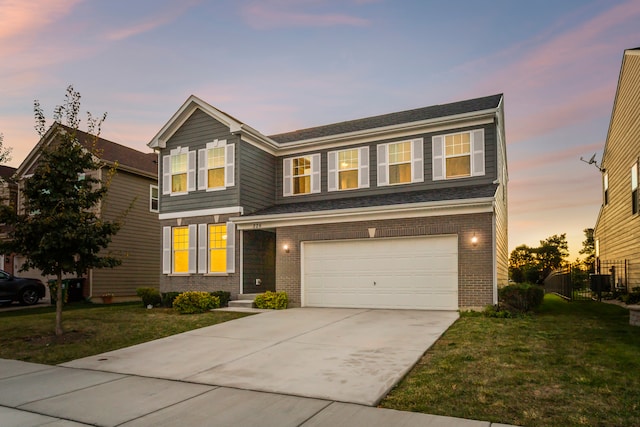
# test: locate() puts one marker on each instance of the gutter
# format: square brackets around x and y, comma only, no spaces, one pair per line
[407,210]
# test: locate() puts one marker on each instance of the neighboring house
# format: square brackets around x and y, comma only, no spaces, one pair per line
[8,196]
[617,231]
[402,210]
[133,188]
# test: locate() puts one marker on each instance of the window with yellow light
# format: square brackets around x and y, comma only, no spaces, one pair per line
[181,249]
[217,248]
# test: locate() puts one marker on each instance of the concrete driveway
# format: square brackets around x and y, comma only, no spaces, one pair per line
[345,355]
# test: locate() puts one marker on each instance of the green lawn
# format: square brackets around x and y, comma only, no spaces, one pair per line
[91,329]
[571,364]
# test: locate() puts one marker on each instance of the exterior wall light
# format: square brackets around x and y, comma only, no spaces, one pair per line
[474,239]
[286,248]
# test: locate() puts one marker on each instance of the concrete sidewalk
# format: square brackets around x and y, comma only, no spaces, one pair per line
[41,395]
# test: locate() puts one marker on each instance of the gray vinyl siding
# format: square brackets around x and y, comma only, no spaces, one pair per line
[259,261]
[617,228]
[195,133]
[491,166]
[136,243]
[257,176]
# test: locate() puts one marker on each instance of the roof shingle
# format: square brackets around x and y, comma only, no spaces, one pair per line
[408,116]
[398,198]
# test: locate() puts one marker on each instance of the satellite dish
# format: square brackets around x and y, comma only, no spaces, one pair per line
[593,161]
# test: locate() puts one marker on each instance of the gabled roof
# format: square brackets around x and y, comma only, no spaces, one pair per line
[337,133]
[408,116]
[6,172]
[128,159]
[186,110]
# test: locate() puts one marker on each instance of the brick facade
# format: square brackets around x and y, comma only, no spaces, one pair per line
[475,262]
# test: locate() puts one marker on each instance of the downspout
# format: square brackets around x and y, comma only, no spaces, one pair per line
[494,254]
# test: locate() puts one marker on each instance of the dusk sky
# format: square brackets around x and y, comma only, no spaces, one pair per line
[281,65]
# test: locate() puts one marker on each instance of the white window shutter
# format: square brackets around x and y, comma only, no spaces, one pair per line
[166,174]
[438,157]
[229,170]
[202,169]
[193,247]
[315,173]
[287,183]
[203,246]
[166,250]
[191,171]
[231,247]
[417,160]
[477,148]
[363,167]
[332,171]
[383,165]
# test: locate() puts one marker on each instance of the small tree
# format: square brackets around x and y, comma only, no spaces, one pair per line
[552,253]
[60,230]
[5,152]
[589,249]
[528,264]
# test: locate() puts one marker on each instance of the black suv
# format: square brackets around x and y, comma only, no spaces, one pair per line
[25,291]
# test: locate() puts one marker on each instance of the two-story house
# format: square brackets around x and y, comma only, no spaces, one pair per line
[402,210]
[9,197]
[617,230]
[132,198]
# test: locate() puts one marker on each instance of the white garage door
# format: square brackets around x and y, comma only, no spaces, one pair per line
[409,273]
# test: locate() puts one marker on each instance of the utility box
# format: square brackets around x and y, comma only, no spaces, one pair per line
[600,282]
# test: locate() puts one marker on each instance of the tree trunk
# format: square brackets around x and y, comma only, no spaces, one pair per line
[59,303]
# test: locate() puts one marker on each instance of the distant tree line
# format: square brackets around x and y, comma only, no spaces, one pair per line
[533,264]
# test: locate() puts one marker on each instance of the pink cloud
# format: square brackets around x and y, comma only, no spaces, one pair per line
[559,156]
[19,18]
[564,79]
[150,24]
[268,15]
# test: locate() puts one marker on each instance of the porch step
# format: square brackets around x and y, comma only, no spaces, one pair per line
[247,296]
[245,303]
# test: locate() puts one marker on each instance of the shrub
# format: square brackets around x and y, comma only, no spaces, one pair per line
[272,300]
[497,312]
[149,296]
[631,298]
[168,297]
[195,302]
[223,296]
[521,298]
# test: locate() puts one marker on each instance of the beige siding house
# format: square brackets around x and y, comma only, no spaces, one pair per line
[133,190]
[617,231]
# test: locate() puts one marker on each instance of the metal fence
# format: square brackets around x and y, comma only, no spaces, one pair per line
[617,272]
[566,283]
[575,284]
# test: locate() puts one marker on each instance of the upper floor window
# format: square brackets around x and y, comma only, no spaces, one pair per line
[216,166]
[301,175]
[154,200]
[458,155]
[348,169]
[634,188]
[401,162]
[605,188]
[178,171]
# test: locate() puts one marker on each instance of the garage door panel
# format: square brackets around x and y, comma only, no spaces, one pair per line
[382,273]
